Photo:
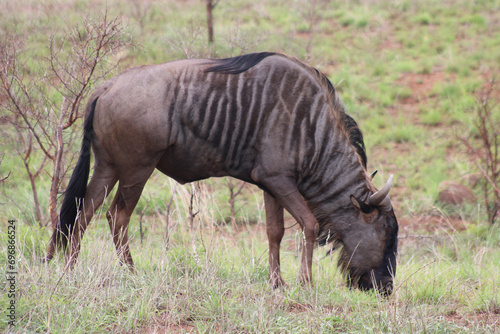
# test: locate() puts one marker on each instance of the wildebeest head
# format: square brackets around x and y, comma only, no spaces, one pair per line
[368,256]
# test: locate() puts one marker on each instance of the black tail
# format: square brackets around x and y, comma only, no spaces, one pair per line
[77,187]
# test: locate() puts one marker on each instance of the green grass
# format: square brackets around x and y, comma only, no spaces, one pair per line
[222,286]
[379,56]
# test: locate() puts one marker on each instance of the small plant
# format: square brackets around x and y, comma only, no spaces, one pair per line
[187,42]
[234,191]
[432,117]
[310,13]
[423,19]
[484,148]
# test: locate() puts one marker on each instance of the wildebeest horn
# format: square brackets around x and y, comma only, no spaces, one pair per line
[373,174]
[379,196]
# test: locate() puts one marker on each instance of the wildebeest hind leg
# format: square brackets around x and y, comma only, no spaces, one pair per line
[126,198]
[275,227]
[101,183]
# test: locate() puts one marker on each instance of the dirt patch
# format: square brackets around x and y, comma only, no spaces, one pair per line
[161,324]
[421,85]
[473,319]
[299,307]
[390,44]
[431,223]
[454,193]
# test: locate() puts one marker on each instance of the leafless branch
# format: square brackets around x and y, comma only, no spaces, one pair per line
[310,11]
[43,106]
[484,148]
[5,177]
[233,193]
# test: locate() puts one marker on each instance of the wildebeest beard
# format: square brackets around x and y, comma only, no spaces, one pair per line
[327,236]
[356,276]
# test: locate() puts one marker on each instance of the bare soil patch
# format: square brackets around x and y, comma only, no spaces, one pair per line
[431,223]
[421,85]
[161,324]
[473,319]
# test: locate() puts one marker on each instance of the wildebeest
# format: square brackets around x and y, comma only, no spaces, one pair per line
[263,118]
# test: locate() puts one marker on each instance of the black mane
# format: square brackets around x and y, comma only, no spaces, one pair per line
[350,125]
[355,137]
[239,64]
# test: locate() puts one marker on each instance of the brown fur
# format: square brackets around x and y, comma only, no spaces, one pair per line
[183,119]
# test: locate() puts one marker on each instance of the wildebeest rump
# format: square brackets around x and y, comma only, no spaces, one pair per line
[263,118]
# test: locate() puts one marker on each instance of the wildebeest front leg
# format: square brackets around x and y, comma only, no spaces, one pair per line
[295,204]
[285,191]
[275,227]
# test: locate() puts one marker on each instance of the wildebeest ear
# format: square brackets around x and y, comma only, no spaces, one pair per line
[361,205]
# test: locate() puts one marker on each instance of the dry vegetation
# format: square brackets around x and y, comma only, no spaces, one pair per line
[417,75]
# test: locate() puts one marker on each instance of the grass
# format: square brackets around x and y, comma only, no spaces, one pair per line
[446,282]
[407,72]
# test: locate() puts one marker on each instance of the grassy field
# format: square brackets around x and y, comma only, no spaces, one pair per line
[408,72]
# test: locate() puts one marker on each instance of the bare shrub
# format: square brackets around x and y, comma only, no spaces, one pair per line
[234,191]
[139,11]
[310,13]
[483,147]
[238,41]
[3,178]
[43,104]
[188,43]
[210,5]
